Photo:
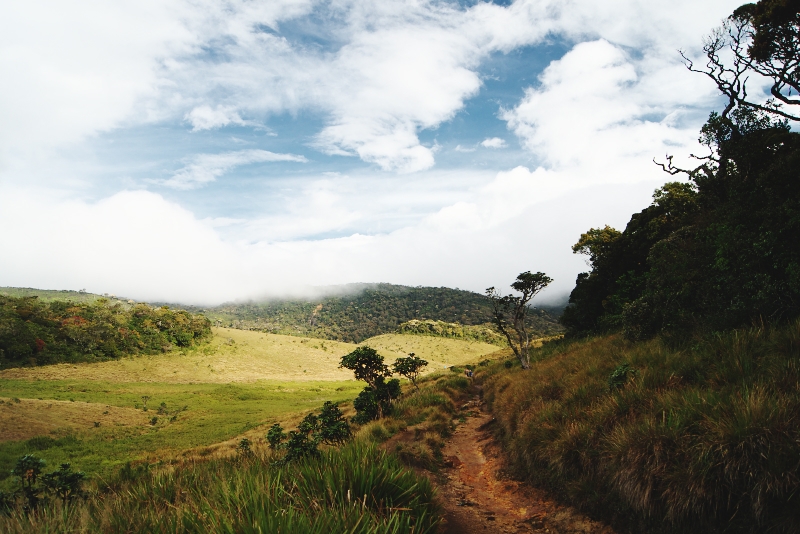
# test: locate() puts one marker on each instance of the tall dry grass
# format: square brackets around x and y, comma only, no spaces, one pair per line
[699,438]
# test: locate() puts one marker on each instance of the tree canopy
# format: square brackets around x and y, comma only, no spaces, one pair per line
[719,250]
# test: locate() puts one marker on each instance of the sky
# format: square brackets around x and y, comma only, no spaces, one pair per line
[202,151]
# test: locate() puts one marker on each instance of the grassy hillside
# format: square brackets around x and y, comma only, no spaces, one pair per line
[699,438]
[238,381]
[364,311]
[49,295]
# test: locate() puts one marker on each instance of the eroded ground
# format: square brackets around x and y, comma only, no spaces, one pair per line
[478,497]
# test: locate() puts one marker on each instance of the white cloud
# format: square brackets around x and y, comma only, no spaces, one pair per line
[390,70]
[598,111]
[136,244]
[206,118]
[205,168]
[493,142]
[394,68]
[460,148]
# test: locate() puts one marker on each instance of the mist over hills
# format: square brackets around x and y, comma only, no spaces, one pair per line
[356,312]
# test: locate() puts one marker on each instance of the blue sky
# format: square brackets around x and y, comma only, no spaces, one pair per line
[206,151]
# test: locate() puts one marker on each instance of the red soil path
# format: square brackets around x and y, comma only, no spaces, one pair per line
[478,497]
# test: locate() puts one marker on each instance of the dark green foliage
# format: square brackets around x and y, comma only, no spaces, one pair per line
[302,443]
[329,427]
[620,376]
[619,260]
[721,251]
[333,428]
[362,311]
[27,471]
[715,254]
[375,402]
[366,406]
[244,448]
[7,501]
[275,436]
[366,364]
[34,332]
[65,483]
[410,367]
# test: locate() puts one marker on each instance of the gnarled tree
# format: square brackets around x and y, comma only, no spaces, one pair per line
[511,312]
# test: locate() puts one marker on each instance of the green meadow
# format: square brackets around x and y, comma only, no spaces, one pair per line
[199,401]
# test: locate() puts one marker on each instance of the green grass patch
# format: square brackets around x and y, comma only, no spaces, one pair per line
[357,489]
[213,413]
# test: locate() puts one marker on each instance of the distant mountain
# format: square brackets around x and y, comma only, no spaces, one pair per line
[360,311]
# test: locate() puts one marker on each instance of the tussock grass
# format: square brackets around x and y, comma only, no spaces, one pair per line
[356,489]
[704,437]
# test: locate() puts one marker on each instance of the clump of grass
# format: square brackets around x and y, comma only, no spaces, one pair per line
[357,488]
[700,437]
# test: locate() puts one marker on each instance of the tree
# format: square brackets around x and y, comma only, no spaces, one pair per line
[410,367]
[763,42]
[366,364]
[28,469]
[377,397]
[511,311]
[333,428]
[65,483]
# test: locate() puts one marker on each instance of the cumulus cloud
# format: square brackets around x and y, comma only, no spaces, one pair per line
[384,72]
[595,110]
[205,168]
[372,76]
[493,142]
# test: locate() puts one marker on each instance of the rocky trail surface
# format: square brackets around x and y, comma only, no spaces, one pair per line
[478,496]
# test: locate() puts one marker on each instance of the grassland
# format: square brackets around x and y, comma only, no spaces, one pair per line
[439,352]
[702,437]
[92,414]
[50,295]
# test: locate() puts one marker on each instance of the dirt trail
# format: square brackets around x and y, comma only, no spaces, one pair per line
[478,497]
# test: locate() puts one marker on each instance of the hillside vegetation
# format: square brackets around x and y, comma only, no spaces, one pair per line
[683,413]
[37,332]
[364,311]
[485,333]
[704,438]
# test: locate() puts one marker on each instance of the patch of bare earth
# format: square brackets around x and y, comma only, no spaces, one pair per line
[477,496]
[25,418]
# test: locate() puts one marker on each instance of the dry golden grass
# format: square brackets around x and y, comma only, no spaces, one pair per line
[236,356]
[26,418]
[438,351]
[231,356]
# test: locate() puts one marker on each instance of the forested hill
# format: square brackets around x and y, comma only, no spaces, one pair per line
[366,310]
